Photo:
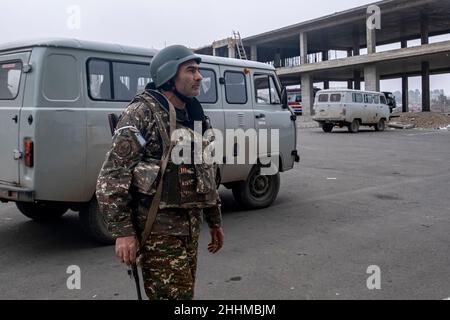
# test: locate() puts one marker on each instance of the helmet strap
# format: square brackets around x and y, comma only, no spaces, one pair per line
[180,96]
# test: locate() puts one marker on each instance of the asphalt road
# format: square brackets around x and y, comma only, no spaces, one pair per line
[355,201]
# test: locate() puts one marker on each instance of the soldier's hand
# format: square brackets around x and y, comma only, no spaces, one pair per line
[126,249]
[216,240]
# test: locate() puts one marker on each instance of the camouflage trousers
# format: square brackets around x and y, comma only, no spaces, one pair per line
[169,265]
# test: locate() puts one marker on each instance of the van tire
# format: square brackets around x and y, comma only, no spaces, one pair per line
[257,191]
[327,127]
[381,125]
[93,223]
[354,126]
[42,212]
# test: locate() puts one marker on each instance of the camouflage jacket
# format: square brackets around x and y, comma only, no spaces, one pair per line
[122,194]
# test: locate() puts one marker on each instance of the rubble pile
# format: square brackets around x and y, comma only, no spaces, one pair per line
[425,120]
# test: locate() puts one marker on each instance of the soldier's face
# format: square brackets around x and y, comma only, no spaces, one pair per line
[188,79]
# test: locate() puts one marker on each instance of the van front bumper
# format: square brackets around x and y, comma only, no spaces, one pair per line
[15,194]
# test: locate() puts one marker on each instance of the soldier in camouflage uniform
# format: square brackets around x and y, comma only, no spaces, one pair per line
[130,174]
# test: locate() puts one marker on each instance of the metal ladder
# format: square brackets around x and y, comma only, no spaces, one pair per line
[239,45]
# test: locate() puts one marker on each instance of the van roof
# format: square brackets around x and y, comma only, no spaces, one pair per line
[117,48]
[347,90]
[77,44]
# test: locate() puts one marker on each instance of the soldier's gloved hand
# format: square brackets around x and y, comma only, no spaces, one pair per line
[216,239]
[126,249]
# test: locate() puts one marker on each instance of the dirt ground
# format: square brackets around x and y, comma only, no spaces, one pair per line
[426,120]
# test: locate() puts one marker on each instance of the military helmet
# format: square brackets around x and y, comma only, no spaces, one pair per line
[166,62]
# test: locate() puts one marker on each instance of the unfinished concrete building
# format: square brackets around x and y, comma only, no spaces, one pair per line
[301,52]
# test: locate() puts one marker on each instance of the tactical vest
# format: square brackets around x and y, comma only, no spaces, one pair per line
[186,185]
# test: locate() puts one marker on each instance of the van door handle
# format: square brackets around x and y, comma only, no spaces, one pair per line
[260,116]
[15,118]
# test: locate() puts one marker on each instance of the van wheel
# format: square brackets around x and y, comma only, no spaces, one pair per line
[42,212]
[327,127]
[381,125]
[93,223]
[258,191]
[354,126]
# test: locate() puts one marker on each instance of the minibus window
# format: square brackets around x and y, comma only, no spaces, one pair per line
[376,99]
[358,98]
[10,74]
[274,96]
[99,80]
[336,97]
[368,98]
[126,79]
[235,87]
[262,89]
[323,98]
[265,90]
[208,87]
[61,81]
[383,99]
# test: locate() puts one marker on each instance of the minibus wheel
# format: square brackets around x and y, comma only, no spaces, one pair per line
[381,125]
[354,126]
[93,223]
[327,127]
[258,191]
[42,211]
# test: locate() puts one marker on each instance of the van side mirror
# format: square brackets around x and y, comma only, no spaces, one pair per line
[284,100]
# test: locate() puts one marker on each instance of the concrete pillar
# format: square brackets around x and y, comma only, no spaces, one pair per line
[231,50]
[307,94]
[254,53]
[277,60]
[349,84]
[425,86]
[424,29]
[325,55]
[404,44]
[214,51]
[371,78]
[326,84]
[349,52]
[357,79]
[303,48]
[356,46]
[371,40]
[405,93]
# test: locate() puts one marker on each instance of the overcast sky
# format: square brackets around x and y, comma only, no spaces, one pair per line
[157,23]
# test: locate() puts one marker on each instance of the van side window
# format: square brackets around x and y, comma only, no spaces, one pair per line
[323,98]
[265,90]
[235,87]
[368,98]
[357,98]
[61,78]
[208,87]
[99,80]
[10,74]
[126,79]
[336,97]
[376,99]
[383,99]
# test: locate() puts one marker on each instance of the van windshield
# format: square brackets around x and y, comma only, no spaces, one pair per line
[10,74]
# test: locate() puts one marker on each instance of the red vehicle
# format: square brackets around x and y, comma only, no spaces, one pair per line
[295,100]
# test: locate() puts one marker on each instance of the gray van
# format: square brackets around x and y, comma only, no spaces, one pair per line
[55,96]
